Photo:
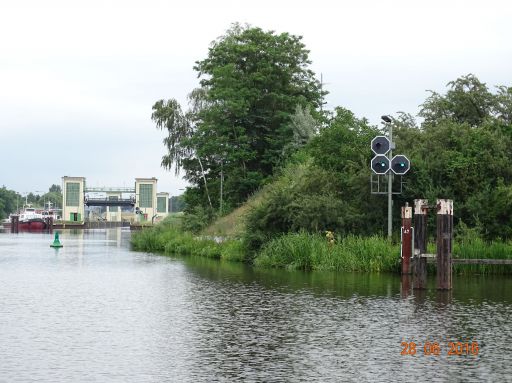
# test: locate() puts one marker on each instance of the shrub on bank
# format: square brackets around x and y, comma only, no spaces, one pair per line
[150,240]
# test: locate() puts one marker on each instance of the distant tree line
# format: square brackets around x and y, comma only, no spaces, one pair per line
[11,200]
[177,204]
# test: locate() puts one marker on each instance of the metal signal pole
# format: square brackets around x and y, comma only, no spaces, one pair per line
[388,120]
[383,164]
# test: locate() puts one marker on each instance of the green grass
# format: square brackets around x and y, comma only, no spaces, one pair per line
[299,251]
[169,239]
[476,248]
[233,224]
[304,251]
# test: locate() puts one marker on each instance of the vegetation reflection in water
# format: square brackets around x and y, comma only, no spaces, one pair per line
[467,289]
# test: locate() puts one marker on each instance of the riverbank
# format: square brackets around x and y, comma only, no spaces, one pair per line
[169,240]
[299,251]
[306,251]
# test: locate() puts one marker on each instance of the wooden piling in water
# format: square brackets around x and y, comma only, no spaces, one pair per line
[420,244]
[406,239]
[15,222]
[49,224]
[444,243]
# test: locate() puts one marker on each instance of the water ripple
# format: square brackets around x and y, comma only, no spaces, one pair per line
[96,312]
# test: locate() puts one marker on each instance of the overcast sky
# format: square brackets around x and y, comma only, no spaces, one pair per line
[77,82]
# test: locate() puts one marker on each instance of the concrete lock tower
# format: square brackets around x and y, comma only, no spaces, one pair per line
[162,205]
[73,198]
[145,198]
[114,212]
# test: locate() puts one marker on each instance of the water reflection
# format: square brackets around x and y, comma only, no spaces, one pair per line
[95,311]
[405,285]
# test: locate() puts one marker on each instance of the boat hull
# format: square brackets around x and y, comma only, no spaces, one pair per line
[32,225]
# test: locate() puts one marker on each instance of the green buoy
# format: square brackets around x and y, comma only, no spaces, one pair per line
[56,242]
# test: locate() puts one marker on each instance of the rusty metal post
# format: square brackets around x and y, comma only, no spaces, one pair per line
[406,239]
[420,243]
[444,243]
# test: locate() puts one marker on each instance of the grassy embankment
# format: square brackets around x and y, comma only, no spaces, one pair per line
[169,239]
[305,251]
[298,251]
[302,251]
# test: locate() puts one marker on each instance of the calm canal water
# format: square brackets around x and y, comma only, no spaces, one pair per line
[94,311]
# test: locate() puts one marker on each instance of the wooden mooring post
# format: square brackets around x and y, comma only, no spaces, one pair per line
[406,239]
[444,243]
[420,244]
[15,222]
[49,224]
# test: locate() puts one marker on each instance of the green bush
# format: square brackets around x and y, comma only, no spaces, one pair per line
[296,201]
[197,219]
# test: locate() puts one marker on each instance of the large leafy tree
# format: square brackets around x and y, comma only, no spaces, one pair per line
[462,151]
[240,119]
[467,101]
